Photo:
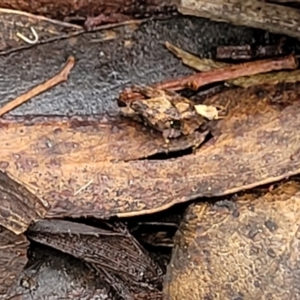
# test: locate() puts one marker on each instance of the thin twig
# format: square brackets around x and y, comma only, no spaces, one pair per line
[240,70]
[60,77]
[202,64]
[221,74]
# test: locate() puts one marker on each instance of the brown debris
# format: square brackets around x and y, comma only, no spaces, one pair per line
[242,52]
[256,236]
[221,74]
[114,252]
[19,207]
[58,9]
[248,52]
[271,17]
[225,164]
[92,22]
[193,61]
[202,64]
[165,111]
[269,78]
[239,70]
[57,79]
[13,258]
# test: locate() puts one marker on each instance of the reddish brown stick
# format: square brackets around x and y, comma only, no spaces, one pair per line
[58,78]
[222,74]
[240,70]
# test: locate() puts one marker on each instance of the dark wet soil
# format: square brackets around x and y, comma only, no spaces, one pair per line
[138,56]
[51,274]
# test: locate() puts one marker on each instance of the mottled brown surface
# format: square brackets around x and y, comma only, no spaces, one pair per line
[13,257]
[19,207]
[63,8]
[96,81]
[82,138]
[241,158]
[245,249]
[92,88]
[241,109]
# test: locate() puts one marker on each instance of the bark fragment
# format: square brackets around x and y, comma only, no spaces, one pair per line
[19,207]
[248,52]
[115,254]
[256,14]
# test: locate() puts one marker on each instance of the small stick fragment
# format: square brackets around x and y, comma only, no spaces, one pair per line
[60,77]
[203,64]
[228,72]
[235,71]
[92,22]
[240,52]
[248,52]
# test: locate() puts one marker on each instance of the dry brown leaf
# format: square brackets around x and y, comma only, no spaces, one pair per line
[248,137]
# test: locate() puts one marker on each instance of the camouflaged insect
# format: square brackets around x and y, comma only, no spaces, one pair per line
[165,111]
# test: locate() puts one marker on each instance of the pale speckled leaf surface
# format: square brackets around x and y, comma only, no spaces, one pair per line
[252,241]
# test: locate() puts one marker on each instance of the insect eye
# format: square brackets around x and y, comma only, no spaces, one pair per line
[176,124]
